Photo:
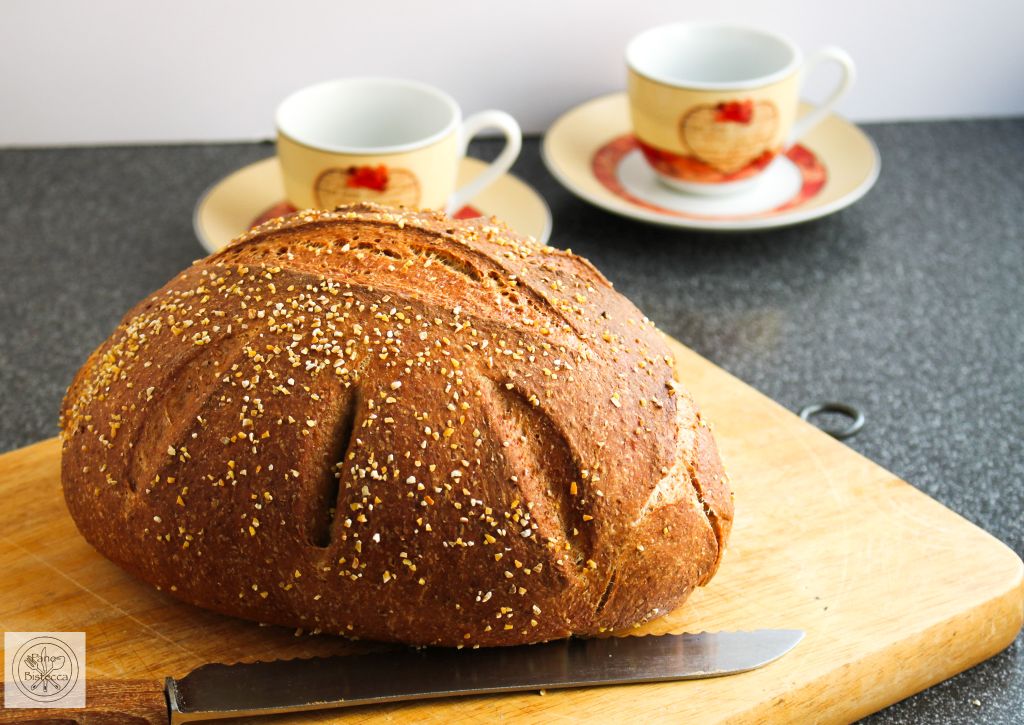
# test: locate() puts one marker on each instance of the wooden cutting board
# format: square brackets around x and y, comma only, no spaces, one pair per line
[895,592]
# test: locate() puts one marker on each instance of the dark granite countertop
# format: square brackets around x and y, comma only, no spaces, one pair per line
[909,304]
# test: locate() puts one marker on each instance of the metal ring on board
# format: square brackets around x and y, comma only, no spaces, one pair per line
[841,408]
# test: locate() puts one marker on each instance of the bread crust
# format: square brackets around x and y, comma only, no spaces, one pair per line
[398,427]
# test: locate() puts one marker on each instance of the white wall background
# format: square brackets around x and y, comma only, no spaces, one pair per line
[124,71]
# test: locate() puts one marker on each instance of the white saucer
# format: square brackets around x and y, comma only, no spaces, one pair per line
[236,202]
[592,151]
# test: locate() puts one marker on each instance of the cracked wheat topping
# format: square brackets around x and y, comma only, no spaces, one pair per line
[399,427]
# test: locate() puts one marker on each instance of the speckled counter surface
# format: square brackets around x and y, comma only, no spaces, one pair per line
[910,304]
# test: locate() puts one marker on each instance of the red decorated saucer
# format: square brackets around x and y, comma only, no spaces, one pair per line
[593,153]
[255,193]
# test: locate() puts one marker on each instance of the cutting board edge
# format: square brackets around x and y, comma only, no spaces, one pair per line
[810,700]
[825,438]
[777,408]
[33,451]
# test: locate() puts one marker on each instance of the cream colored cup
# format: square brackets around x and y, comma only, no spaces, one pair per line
[386,140]
[713,104]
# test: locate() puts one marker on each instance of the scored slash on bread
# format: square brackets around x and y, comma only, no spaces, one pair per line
[401,427]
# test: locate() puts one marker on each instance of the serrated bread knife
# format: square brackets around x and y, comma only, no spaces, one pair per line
[216,691]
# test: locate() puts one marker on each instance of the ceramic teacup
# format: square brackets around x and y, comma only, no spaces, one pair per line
[386,140]
[713,104]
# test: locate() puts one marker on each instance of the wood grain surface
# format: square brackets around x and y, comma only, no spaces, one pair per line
[895,592]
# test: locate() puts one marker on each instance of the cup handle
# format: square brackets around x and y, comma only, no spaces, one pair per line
[813,117]
[513,144]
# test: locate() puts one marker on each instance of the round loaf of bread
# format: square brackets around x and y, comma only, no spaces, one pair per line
[396,426]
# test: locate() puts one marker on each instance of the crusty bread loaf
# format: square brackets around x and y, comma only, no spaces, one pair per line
[398,427]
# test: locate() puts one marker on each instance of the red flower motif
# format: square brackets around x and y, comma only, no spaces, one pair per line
[368,177]
[735,112]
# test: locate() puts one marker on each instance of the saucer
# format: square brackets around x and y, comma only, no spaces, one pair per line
[255,193]
[592,151]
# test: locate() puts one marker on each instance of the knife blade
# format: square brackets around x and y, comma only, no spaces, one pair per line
[216,691]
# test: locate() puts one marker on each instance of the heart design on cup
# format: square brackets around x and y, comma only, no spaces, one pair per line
[730,135]
[380,184]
